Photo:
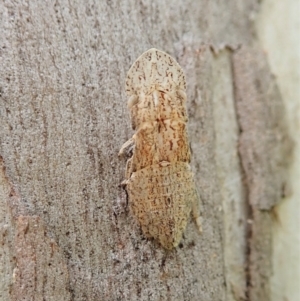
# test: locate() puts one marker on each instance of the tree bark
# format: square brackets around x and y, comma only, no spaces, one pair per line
[65,228]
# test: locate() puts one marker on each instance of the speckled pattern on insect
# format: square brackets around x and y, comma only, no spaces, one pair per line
[158,179]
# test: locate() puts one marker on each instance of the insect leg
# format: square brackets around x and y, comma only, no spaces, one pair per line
[128,144]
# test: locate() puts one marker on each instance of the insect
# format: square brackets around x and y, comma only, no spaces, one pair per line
[158,178]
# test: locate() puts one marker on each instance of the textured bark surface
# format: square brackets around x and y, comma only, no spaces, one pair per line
[265,152]
[66,231]
[273,32]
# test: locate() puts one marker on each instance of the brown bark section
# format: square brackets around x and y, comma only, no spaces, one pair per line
[265,151]
[40,271]
[36,268]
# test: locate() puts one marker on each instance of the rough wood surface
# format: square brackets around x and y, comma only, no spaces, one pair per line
[265,150]
[230,175]
[64,224]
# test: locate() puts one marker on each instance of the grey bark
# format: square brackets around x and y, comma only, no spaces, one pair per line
[66,233]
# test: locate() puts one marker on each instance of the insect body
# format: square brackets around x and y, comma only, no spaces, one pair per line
[159,180]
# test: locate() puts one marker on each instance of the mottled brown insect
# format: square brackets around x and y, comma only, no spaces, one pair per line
[159,180]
